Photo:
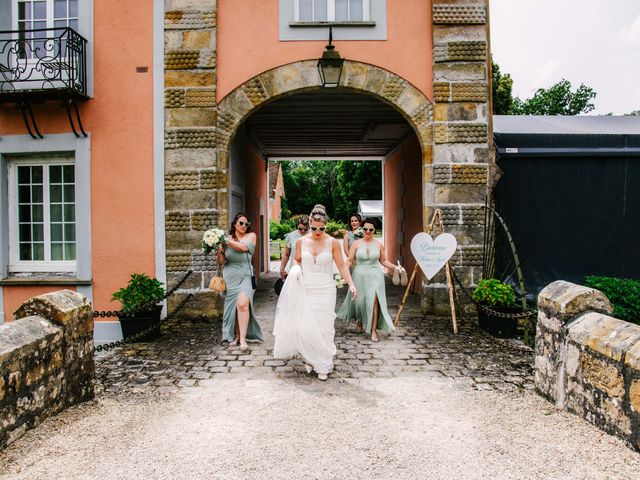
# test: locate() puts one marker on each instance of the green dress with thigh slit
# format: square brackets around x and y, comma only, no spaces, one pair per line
[369,281]
[237,276]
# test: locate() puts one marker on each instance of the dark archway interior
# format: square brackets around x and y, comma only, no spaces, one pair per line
[327,123]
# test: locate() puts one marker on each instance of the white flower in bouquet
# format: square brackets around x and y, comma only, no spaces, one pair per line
[213,239]
[339,281]
[358,232]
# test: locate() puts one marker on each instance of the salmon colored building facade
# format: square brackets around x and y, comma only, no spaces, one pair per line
[188,102]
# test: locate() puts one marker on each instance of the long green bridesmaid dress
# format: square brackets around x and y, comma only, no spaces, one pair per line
[237,276]
[369,281]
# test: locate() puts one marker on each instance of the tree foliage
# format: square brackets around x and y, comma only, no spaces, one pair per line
[338,185]
[501,87]
[558,99]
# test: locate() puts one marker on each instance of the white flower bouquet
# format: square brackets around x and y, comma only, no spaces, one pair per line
[340,282]
[213,239]
[358,232]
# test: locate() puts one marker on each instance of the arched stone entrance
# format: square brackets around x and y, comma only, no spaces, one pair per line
[453,131]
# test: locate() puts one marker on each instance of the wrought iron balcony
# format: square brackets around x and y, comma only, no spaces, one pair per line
[42,64]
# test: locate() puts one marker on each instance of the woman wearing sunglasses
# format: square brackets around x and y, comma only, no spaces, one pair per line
[355,221]
[290,241]
[305,314]
[239,322]
[370,309]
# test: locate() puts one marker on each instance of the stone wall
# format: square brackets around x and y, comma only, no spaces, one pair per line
[196,179]
[588,362]
[46,361]
[458,177]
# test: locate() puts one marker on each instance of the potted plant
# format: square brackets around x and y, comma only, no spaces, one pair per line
[499,297]
[140,305]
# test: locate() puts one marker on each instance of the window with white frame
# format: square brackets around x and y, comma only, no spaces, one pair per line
[331,11]
[37,14]
[42,215]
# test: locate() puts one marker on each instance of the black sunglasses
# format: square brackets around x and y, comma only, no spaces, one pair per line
[322,229]
[243,224]
[368,229]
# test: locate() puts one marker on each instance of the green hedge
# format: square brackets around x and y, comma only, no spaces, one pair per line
[277,231]
[623,293]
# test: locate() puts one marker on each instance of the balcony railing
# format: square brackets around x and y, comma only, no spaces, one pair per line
[42,64]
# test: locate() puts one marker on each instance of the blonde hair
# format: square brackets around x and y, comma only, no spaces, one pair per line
[318,214]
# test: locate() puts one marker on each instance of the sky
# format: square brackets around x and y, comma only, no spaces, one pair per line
[595,42]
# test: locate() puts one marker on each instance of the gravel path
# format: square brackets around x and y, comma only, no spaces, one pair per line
[272,426]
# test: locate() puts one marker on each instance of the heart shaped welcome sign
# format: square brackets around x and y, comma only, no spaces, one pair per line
[432,254]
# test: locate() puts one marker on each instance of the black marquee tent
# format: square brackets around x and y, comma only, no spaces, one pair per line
[570,195]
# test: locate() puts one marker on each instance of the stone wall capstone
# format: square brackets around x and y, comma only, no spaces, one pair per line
[588,362]
[46,361]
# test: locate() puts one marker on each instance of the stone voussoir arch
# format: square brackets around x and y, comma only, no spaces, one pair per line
[301,76]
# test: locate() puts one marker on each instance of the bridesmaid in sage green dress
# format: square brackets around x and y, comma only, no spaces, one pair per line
[355,221]
[370,308]
[239,321]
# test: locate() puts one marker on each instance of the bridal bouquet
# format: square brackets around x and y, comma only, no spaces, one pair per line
[358,232]
[213,239]
[340,282]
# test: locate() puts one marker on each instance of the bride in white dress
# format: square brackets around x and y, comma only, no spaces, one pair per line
[305,314]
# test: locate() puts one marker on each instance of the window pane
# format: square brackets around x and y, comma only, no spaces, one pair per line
[38,232]
[36,193]
[356,10]
[55,174]
[23,175]
[60,9]
[24,194]
[24,213]
[342,10]
[24,232]
[56,251]
[55,193]
[24,11]
[320,10]
[38,251]
[68,174]
[36,174]
[37,211]
[25,251]
[56,212]
[70,213]
[70,232]
[74,24]
[56,232]
[69,193]
[305,12]
[69,251]
[39,10]
[73,8]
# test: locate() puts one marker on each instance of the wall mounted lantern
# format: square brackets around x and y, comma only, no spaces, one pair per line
[330,65]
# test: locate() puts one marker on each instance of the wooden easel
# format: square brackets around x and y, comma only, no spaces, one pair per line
[437,224]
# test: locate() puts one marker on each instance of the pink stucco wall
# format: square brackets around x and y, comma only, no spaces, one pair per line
[255,192]
[248,43]
[120,120]
[411,201]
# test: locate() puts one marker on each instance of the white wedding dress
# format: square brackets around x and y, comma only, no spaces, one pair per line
[305,314]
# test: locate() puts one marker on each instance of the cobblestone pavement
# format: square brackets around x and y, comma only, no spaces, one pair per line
[190,352]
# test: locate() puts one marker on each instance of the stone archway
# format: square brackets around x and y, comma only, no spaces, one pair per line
[454,131]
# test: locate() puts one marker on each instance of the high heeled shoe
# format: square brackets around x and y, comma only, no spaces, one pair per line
[396,275]
[234,342]
[244,347]
[322,376]
[403,277]
[308,368]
